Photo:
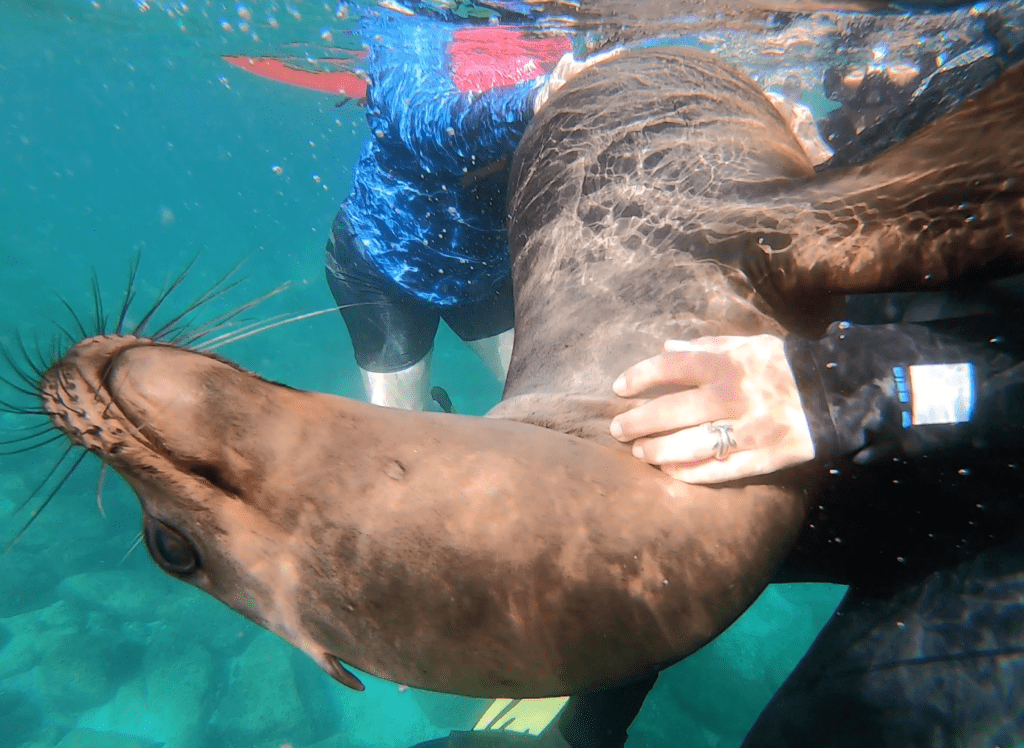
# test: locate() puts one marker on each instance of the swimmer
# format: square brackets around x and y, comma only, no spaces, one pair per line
[422,236]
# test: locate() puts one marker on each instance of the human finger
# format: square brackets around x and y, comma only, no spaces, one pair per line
[672,412]
[740,464]
[711,440]
[682,368]
[708,343]
[763,446]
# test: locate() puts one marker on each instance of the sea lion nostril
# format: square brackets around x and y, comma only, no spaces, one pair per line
[214,475]
[169,548]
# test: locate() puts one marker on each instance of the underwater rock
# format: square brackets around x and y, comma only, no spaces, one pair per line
[262,703]
[385,715]
[21,719]
[95,739]
[179,677]
[197,617]
[26,584]
[32,634]
[339,740]
[132,595]
[318,693]
[75,673]
[172,691]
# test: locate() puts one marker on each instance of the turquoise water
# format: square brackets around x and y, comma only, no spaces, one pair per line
[123,135]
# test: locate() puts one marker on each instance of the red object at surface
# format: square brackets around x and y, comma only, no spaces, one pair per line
[342,82]
[485,57]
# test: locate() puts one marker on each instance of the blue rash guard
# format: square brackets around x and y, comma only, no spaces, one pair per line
[444,100]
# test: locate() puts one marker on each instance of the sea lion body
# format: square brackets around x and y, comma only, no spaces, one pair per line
[490,556]
[626,227]
[478,556]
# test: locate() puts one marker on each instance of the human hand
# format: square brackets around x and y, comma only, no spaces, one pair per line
[568,67]
[742,383]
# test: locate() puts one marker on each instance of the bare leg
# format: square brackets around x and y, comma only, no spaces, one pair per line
[495,352]
[408,389]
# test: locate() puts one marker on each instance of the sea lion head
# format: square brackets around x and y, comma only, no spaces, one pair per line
[187,430]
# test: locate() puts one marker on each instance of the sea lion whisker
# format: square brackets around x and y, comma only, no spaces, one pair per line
[138,539]
[28,382]
[227,336]
[38,430]
[45,480]
[99,489]
[218,289]
[29,447]
[139,330]
[20,410]
[72,339]
[223,340]
[97,306]
[74,316]
[129,293]
[17,410]
[38,368]
[49,496]
[22,389]
[41,426]
[45,360]
[220,321]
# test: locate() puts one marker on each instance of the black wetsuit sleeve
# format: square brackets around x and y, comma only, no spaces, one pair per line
[877,391]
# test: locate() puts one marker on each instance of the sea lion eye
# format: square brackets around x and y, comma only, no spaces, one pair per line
[169,548]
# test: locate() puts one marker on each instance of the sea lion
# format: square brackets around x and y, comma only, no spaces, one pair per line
[527,554]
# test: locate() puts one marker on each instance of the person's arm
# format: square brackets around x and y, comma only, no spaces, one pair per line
[870,391]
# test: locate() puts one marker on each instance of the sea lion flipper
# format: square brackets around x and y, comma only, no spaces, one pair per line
[333,667]
[945,205]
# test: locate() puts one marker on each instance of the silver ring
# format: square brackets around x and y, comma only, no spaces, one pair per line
[723,439]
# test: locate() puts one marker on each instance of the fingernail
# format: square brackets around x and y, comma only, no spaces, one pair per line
[619,385]
[616,429]
[638,451]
